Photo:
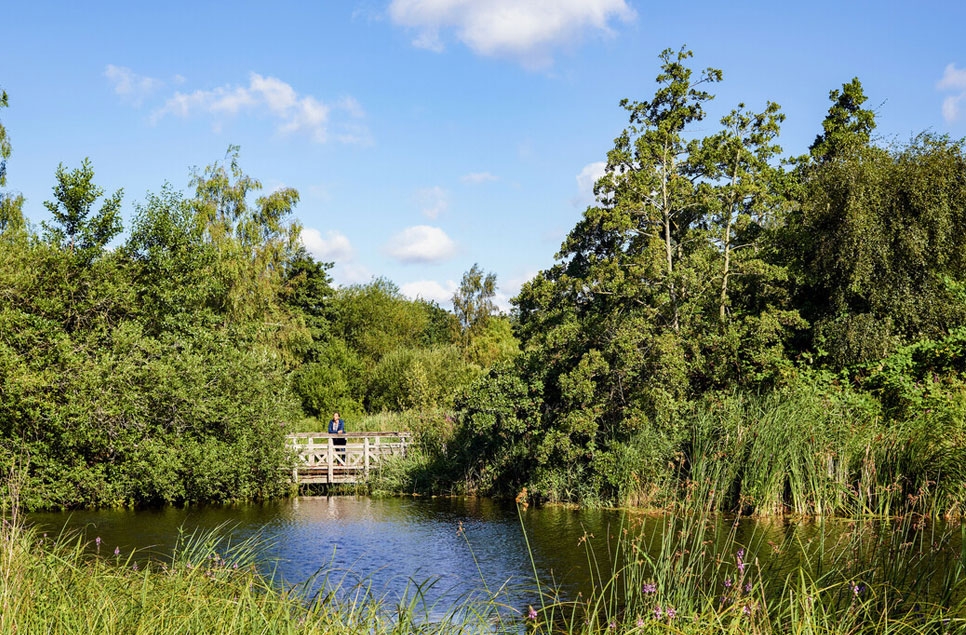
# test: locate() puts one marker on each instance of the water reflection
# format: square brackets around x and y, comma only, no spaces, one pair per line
[460,545]
[463,545]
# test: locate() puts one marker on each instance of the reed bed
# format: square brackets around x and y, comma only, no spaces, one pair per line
[683,572]
[55,584]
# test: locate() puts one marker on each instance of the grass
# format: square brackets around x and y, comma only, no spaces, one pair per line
[208,585]
[685,574]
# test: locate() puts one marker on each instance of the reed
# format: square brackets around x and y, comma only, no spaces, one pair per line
[690,573]
[61,584]
[807,452]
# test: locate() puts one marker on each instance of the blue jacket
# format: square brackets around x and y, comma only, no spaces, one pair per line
[335,428]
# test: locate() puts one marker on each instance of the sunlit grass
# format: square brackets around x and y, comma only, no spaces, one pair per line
[690,575]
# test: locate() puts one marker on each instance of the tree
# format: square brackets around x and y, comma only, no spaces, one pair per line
[11,205]
[742,191]
[254,240]
[74,228]
[308,288]
[4,141]
[473,300]
[171,266]
[647,194]
[847,127]
[873,240]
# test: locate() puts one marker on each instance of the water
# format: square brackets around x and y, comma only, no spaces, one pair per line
[457,546]
[452,548]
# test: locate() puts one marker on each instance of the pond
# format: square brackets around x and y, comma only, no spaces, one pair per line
[455,547]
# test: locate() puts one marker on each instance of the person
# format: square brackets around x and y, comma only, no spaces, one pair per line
[337,426]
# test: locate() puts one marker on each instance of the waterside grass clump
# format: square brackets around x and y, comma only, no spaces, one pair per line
[55,584]
[687,572]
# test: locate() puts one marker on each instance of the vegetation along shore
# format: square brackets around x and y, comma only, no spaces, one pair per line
[729,328]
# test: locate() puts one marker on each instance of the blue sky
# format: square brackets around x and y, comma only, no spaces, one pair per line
[428,135]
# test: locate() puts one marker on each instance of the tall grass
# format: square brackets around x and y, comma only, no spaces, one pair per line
[694,573]
[676,573]
[207,585]
[805,452]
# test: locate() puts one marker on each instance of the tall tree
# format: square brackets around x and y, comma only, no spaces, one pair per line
[473,300]
[873,240]
[254,239]
[847,127]
[11,205]
[75,227]
[4,141]
[742,193]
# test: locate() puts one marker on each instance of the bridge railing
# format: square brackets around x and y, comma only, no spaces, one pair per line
[343,458]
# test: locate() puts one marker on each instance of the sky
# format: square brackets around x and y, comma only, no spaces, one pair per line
[426,136]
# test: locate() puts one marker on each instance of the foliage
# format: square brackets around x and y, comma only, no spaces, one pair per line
[473,300]
[796,332]
[74,227]
[5,148]
[128,378]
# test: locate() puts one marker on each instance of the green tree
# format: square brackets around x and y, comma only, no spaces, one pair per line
[75,228]
[4,141]
[254,240]
[873,241]
[11,205]
[741,192]
[171,266]
[473,300]
[847,127]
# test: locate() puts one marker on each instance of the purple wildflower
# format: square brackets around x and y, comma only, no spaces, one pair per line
[727,583]
[649,587]
[97,541]
[135,566]
[532,614]
[748,587]
[671,613]
[117,551]
[658,612]
[747,609]
[640,622]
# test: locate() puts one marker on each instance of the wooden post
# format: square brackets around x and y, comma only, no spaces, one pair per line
[365,451]
[331,458]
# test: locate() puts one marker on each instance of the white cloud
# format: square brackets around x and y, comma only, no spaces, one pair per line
[524,31]
[585,182]
[129,85]
[351,273]
[432,201]
[478,177]
[954,79]
[430,290]
[334,246]
[421,244]
[952,107]
[293,113]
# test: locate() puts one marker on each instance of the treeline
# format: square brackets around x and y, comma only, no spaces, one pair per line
[787,333]
[781,332]
[165,364]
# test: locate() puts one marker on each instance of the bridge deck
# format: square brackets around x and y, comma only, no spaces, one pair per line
[322,459]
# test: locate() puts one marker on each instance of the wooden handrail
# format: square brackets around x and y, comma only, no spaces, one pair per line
[305,435]
[322,461]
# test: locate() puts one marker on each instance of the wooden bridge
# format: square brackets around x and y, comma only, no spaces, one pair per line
[322,459]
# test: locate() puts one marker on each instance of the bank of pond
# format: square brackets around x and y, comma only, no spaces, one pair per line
[455,565]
